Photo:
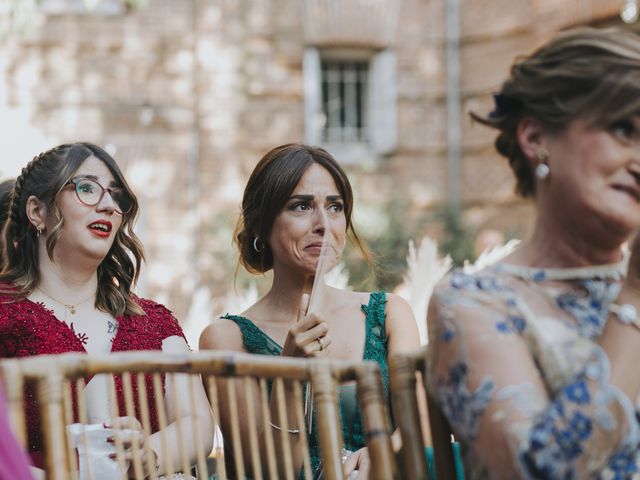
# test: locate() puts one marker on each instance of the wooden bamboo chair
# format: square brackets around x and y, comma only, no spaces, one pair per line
[59,382]
[13,383]
[413,461]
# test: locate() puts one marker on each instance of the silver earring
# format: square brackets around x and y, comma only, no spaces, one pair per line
[38,231]
[255,245]
[542,171]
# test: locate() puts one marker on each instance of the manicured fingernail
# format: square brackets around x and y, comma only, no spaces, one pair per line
[106,425]
[112,456]
[111,439]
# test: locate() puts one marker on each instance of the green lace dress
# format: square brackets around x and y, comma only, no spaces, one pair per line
[375,348]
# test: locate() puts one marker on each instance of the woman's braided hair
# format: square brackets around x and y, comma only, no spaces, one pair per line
[44,177]
[587,73]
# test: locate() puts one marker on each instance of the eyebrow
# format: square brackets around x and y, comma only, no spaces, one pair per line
[308,198]
[112,183]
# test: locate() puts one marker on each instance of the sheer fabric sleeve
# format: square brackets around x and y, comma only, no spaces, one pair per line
[496,394]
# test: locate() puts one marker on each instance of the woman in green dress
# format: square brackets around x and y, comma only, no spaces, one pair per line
[298,199]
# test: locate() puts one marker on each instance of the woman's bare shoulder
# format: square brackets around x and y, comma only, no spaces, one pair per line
[349,297]
[221,334]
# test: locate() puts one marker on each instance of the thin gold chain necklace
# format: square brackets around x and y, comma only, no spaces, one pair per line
[69,306]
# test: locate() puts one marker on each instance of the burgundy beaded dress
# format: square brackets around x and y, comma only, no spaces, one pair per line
[28,329]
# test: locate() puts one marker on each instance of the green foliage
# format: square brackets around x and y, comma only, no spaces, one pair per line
[457,240]
[390,247]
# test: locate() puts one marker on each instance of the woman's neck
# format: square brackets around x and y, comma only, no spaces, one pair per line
[551,246]
[285,295]
[68,284]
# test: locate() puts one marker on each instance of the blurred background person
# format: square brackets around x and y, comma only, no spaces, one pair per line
[534,359]
[66,286]
[297,199]
[6,187]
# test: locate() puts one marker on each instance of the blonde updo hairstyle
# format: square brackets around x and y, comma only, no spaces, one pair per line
[587,73]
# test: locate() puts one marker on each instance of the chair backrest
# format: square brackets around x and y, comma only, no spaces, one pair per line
[59,382]
[413,463]
[13,382]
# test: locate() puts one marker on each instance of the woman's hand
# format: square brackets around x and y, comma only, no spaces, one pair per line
[134,443]
[358,461]
[308,337]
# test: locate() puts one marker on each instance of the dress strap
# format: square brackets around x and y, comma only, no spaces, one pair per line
[375,349]
[253,338]
[375,346]
[375,322]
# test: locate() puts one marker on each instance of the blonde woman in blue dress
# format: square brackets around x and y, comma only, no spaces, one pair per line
[535,360]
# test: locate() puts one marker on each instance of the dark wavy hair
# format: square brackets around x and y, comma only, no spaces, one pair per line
[587,73]
[6,190]
[44,177]
[269,187]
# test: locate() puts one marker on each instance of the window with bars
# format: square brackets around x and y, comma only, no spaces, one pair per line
[350,100]
[344,100]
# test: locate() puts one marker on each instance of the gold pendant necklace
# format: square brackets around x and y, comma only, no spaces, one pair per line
[69,306]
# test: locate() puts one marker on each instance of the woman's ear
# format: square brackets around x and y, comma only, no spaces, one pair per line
[36,212]
[531,138]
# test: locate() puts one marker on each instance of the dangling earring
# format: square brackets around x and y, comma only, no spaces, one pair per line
[542,170]
[38,231]
[255,245]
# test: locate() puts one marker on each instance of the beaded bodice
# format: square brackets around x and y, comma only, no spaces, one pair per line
[29,329]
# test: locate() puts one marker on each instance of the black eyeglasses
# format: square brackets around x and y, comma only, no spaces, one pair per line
[90,193]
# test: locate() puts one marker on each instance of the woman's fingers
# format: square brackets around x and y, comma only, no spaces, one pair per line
[350,464]
[308,336]
[319,330]
[133,447]
[358,461]
[128,438]
[364,466]
[308,340]
[122,423]
[317,347]
[307,323]
[148,463]
[128,432]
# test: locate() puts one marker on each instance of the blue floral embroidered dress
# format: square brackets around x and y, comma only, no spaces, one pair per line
[515,366]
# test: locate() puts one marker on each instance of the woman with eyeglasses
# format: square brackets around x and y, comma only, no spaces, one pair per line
[72,260]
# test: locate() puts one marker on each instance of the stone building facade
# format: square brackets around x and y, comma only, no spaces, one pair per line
[189,94]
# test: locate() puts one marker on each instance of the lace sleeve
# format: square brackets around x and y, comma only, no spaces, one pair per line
[498,399]
[166,324]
